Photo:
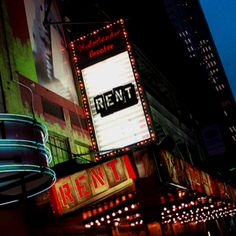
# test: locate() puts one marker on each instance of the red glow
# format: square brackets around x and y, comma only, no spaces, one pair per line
[83,192]
[69,192]
[55,201]
[65,192]
[112,165]
[100,51]
[129,167]
[97,175]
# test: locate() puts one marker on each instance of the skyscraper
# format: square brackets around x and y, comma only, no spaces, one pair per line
[216,104]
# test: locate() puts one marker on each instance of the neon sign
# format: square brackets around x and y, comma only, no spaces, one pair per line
[24,158]
[182,173]
[87,186]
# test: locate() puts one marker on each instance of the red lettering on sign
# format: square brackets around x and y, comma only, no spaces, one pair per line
[97,176]
[91,185]
[98,40]
[66,194]
[105,48]
[83,192]
[112,164]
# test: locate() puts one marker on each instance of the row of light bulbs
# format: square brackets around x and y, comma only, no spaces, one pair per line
[202,210]
[128,214]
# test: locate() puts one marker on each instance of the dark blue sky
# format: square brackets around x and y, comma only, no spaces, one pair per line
[221,17]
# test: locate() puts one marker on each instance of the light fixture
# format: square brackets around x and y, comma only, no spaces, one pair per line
[24,171]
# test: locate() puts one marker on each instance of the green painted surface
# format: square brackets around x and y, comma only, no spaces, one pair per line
[20,53]
[14,56]
[24,61]
[20,58]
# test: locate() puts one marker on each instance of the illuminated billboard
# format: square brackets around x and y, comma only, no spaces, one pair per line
[111,92]
[91,185]
[183,174]
[49,49]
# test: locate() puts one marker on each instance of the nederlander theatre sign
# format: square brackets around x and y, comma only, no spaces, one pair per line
[112,96]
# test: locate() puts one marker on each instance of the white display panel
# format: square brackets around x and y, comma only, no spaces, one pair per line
[123,127]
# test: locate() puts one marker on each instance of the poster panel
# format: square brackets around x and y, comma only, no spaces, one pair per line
[51,57]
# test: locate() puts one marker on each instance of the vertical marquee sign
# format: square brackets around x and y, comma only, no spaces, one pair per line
[112,96]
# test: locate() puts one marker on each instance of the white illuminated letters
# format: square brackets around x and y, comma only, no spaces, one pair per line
[117,99]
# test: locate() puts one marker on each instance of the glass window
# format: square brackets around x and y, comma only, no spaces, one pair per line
[53,109]
[59,147]
[78,120]
[83,149]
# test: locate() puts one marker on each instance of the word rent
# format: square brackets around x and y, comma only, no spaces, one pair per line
[115,100]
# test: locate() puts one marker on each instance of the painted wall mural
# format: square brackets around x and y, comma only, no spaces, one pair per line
[49,49]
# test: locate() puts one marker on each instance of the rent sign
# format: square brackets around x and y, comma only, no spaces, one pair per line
[87,186]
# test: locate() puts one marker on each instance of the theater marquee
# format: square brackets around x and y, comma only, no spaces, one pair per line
[91,185]
[112,96]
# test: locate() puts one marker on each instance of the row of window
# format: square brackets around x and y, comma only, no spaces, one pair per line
[59,145]
[57,111]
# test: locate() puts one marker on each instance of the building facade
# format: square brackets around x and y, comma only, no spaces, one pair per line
[217,105]
[130,192]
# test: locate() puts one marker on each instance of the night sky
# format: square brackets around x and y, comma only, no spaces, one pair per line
[221,18]
[150,29]
[146,27]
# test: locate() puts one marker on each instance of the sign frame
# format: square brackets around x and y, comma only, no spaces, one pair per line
[119,41]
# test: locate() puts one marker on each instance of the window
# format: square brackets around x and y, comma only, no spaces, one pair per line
[59,147]
[78,120]
[53,109]
[83,149]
